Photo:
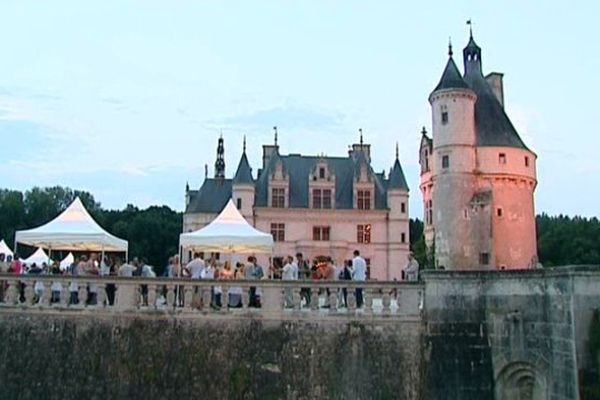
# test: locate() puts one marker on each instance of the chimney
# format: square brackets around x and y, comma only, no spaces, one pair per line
[494,79]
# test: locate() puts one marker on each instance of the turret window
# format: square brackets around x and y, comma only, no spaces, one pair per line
[403,208]
[446,161]
[239,204]
[526,161]
[502,158]
[444,111]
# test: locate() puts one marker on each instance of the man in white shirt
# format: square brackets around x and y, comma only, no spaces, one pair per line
[289,273]
[359,273]
[196,266]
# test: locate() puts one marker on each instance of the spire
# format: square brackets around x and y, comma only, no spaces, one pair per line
[397,180]
[472,54]
[424,131]
[187,186]
[361,136]
[397,151]
[275,129]
[450,53]
[205,171]
[244,146]
[220,162]
[451,77]
[243,174]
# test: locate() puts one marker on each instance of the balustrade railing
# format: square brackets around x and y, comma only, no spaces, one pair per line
[272,297]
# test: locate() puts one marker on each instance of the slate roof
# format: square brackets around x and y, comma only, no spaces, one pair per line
[492,125]
[451,78]
[244,172]
[397,179]
[211,198]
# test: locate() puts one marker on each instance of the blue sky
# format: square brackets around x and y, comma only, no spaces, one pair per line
[126,99]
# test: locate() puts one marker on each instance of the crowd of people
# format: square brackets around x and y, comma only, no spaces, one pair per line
[295,269]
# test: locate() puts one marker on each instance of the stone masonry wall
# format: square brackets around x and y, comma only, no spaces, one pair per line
[95,357]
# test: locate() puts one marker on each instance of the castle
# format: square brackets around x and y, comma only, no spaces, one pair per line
[318,205]
[477,175]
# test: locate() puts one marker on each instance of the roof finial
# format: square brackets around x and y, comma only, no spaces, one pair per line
[450,46]
[361,136]
[205,171]
[470,28]
[221,136]
[275,129]
[244,149]
[424,131]
[397,151]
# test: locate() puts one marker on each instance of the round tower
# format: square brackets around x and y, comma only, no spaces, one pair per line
[453,173]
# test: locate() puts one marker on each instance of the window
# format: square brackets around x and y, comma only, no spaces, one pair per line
[430,212]
[321,233]
[484,258]
[239,204]
[444,110]
[278,232]
[363,199]
[363,233]
[526,161]
[278,197]
[321,173]
[445,161]
[499,211]
[322,198]
[368,262]
[403,237]
[502,158]
[403,208]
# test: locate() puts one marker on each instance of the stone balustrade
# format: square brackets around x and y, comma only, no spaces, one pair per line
[272,298]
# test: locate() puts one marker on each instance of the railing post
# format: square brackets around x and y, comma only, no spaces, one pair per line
[245,297]
[12,293]
[188,297]
[100,294]
[45,300]
[224,297]
[314,298]
[152,296]
[297,297]
[368,294]
[333,298]
[81,294]
[29,294]
[170,296]
[351,299]
[386,302]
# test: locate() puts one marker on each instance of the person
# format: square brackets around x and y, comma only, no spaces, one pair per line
[126,270]
[4,266]
[196,266]
[411,271]
[346,275]
[73,269]
[359,274]
[289,273]
[56,286]
[111,288]
[303,275]
[90,268]
[235,293]
[253,271]
[38,286]
[146,272]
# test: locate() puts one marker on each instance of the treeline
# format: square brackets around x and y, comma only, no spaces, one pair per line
[152,232]
[561,240]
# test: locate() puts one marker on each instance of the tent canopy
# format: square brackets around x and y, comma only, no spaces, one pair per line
[66,262]
[4,249]
[74,229]
[39,257]
[229,233]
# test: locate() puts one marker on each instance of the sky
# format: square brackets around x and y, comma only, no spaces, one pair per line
[126,99]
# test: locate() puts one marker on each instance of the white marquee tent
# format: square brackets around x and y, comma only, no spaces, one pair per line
[228,233]
[39,257]
[67,261]
[74,229]
[4,249]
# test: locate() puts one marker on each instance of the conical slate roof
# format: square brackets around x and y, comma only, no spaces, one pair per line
[243,175]
[451,78]
[397,179]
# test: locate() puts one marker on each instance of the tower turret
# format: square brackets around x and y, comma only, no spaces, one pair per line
[472,56]
[454,162]
[243,186]
[398,232]
[220,162]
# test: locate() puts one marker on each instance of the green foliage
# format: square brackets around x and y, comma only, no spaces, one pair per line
[564,240]
[152,233]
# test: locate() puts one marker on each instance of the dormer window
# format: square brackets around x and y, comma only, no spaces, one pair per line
[321,173]
[363,199]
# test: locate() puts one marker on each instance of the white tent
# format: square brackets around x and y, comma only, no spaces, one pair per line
[4,249]
[39,257]
[74,229]
[67,261]
[229,233]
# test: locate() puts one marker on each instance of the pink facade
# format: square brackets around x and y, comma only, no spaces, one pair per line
[477,175]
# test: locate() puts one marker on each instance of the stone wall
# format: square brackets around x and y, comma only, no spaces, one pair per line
[481,335]
[98,357]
